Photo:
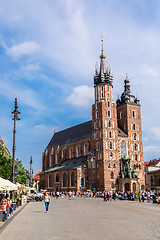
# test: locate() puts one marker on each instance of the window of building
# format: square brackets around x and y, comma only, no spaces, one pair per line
[64,180]
[85,149]
[96,115]
[131,136]
[134,136]
[96,105]
[107,155]
[50,160]
[136,157]
[109,165]
[57,177]
[132,146]
[114,166]
[111,156]
[106,145]
[121,115]
[77,151]
[132,157]
[110,134]
[134,126]
[72,179]
[102,92]
[105,123]
[123,148]
[97,135]
[114,146]
[108,93]
[109,104]
[109,114]
[110,145]
[99,124]
[56,158]
[70,153]
[133,114]
[112,175]
[62,153]
[82,182]
[109,123]
[138,148]
[49,181]
[135,147]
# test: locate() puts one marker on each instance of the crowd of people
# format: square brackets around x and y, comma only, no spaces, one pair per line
[6,207]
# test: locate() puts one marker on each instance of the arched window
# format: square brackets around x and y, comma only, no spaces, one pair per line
[57,177]
[121,115]
[72,179]
[109,165]
[56,157]
[109,104]
[111,156]
[70,153]
[136,158]
[64,180]
[109,123]
[134,136]
[110,145]
[135,147]
[134,126]
[85,149]
[134,114]
[102,93]
[49,181]
[123,148]
[82,182]
[109,114]
[110,134]
[77,151]
[112,175]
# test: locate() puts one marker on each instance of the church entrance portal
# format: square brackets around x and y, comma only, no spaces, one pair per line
[127,187]
[134,187]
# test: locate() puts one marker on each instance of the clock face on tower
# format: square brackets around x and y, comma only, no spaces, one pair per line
[123,148]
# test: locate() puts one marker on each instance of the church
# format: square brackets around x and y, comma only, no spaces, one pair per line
[105,153]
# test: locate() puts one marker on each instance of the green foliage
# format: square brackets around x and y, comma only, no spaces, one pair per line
[22,173]
[6,164]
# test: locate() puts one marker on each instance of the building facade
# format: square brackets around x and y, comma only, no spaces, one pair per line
[104,153]
[152,174]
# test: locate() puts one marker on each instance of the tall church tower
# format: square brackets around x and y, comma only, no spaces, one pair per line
[104,126]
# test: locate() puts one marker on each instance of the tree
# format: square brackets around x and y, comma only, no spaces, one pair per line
[5,163]
[22,173]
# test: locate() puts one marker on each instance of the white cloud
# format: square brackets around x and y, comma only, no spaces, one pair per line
[149,71]
[152,149]
[81,96]
[32,67]
[24,48]
[155,133]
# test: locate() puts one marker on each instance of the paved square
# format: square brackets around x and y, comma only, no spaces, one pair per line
[85,218]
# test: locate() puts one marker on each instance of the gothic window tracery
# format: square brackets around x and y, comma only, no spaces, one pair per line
[123,148]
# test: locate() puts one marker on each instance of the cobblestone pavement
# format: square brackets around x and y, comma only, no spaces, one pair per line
[85,218]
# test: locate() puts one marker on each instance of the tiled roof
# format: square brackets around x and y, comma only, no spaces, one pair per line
[68,164]
[146,164]
[72,135]
[76,134]
[37,177]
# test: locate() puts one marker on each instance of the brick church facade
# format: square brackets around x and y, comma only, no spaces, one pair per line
[105,153]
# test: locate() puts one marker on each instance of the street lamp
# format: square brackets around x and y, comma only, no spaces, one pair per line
[15,118]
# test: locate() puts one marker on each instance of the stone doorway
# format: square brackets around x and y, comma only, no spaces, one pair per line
[134,187]
[127,187]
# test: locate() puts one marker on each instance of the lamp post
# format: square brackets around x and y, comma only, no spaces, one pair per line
[15,118]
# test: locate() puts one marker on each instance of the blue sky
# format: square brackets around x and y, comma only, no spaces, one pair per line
[48,51]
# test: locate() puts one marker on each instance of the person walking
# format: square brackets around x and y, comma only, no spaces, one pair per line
[47,200]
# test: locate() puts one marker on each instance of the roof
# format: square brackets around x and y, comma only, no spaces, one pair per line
[75,134]
[68,164]
[37,176]
[71,135]
[146,164]
[153,163]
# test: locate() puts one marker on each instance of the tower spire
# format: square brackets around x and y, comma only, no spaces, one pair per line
[102,64]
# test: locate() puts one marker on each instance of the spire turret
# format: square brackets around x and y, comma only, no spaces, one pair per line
[127,96]
[103,75]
